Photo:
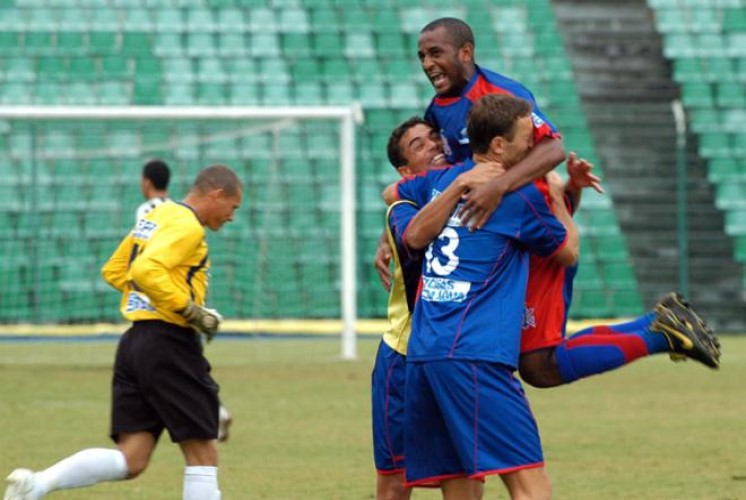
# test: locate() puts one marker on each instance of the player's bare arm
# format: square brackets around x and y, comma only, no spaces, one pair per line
[580,177]
[382,260]
[481,201]
[569,253]
[430,220]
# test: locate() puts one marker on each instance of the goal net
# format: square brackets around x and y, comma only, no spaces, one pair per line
[71,185]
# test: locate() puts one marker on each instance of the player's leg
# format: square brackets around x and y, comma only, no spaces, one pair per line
[201,471]
[84,468]
[673,327]
[387,408]
[462,488]
[528,484]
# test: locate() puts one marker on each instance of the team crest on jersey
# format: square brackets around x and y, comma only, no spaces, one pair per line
[444,290]
[538,122]
[138,302]
[144,229]
[529,318]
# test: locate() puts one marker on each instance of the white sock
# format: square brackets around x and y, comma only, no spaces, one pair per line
[201,483]
[87,467]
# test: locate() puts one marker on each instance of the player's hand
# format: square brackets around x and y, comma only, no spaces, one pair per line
[480,201]
[203,319]
[381,263]
[579,174]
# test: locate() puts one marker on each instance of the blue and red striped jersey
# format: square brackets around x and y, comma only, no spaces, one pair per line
[473,288]
[449,114]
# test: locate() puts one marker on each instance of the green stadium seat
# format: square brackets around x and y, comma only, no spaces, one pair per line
[328,45]
[104,19]
[273,70]
[136,43]
[627,303]
[719,69]
[324,19]
[725,169]
[231,20]
[697,95]
[309,93]
[19,69]
[84,68]
[200,19]
[137,19]
[212,94]
[265,45]
[117,68]
[294,20]
[168,45]
[296,45]
[359,44]
[200,45]
[355,21]
[241,70]
[232,45]
[38,43]
[211,70]
[591,304]
[689,69]
[734,20]
[367,70]
[341,92]
[169,20]
[735,221]
[53,69]
[385,21]
[391,45]
[177,69]
[147,92]
[372,95]
[611,247]
[679,45]
[41,19]
[619,275]
[147,69]
[178,94]
[731,195]
[70,43]
[103,43]
[276,94]
[262,20]
[731,94]
[714,145]
[413,19]
[404,95]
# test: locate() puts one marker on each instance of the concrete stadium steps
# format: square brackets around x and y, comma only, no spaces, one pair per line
[626,90]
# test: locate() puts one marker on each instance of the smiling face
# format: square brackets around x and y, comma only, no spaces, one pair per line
[447,66]
[422,148]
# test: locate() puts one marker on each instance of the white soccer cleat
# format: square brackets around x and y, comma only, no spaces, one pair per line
[20,485]
[224,422]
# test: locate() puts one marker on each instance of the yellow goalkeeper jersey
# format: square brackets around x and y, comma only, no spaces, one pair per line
[161,265]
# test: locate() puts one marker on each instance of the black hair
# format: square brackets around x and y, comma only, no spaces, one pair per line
[157,171]
[396,158]
[459,32]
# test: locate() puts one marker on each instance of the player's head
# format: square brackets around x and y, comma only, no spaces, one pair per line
[500,127]
[414,146]
[215,195]
[155,177]
[446,52]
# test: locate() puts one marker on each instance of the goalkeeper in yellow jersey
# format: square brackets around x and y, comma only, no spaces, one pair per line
[161,378]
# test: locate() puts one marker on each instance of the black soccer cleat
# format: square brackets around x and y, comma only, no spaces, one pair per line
[688,335]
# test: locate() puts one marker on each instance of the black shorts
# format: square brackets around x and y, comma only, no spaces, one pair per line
[162,380]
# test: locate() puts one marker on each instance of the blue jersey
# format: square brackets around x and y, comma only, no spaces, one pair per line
[449,114]
[474,283]
[407,271]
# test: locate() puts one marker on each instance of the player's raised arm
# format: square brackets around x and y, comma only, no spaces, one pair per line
[580,177]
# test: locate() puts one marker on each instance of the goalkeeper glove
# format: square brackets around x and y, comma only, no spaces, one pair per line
[202,319]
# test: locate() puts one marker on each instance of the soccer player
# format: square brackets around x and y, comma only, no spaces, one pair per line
[446,50]
[154,187]
[466,416]
[161,377]
[413,147]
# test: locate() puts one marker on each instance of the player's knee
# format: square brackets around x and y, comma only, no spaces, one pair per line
[136,465]
[539,369]
[391,487]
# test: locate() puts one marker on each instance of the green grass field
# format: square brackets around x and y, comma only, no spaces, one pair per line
[654,430]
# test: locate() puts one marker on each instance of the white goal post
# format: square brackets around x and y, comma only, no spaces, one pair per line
[347,117]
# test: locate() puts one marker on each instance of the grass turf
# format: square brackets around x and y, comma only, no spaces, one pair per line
[652,430]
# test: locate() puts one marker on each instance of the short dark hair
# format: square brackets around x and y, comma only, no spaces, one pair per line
[217,177]
[157,171]
[459,32]
[396,158]
[494,115]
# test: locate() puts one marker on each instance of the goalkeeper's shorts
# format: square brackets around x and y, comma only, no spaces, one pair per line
[388,410]
[162,380]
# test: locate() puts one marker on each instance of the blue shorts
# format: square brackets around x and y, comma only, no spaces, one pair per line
[388,410]
[466,419]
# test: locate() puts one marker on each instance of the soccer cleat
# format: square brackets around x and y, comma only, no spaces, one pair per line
[20,485]
[688,335]
[224,422]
